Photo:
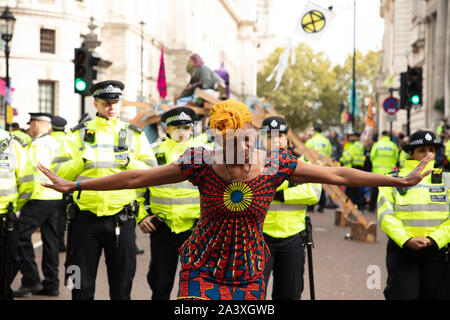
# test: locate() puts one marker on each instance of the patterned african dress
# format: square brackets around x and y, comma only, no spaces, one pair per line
[224,257]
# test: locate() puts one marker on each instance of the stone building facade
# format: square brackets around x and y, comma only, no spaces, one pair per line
[417,33]
[48,31]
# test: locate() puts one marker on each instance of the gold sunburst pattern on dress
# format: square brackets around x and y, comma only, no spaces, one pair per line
[237,196]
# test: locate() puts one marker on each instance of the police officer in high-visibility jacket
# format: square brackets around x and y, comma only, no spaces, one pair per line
[16,187]
[59,134]
[285,223]
[103,220]
[24,137]
[319,143]
[323,146]
[354,157]
[383,156]
[40,212]
[417,223]
[177,206]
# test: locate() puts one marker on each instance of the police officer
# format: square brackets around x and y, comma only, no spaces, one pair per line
[416,220]
[40,212]
[174,208]
[16,187]
[319,143]
[284,224]
[383,156]
[59,134]
[103,220]
[25,139]
[354,157]
[323,146]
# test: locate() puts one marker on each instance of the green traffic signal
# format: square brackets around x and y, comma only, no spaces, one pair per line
[80,85]
[415,99]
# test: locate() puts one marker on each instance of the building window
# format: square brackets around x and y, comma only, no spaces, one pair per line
[47,96]
[47,41]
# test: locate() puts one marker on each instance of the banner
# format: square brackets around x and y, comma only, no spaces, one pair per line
[162,86]
[369,117]
[314,21]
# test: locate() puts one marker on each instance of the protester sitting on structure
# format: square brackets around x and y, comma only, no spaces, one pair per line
[202,77]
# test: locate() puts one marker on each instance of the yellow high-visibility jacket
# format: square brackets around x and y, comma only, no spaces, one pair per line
[16,174]
[26,139]
[353,155]
[42,150]
[285,219]
[319,143]
[180,202]
[383,155]
[422,210]
[91,150]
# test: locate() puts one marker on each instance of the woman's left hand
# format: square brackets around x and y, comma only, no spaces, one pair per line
[59,184]
[415,176]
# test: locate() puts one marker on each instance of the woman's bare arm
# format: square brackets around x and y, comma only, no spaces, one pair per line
[357,178]
[130,179]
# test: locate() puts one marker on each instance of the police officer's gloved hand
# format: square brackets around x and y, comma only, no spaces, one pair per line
[279,195]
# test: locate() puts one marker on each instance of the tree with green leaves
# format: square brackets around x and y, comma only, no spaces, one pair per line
[312,89]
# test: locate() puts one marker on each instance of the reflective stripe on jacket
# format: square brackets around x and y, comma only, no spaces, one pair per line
[422,210]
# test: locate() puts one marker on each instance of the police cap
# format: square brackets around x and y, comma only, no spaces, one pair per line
[40,116]
[58,123]
[108,90]
[422,138]
[275,123]
[180,116]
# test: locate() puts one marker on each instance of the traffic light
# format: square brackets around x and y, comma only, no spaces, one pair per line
[84,62]
[414,86]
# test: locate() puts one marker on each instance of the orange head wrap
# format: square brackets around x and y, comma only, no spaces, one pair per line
[229,115]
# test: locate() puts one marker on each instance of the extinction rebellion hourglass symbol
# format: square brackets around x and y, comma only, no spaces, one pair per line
[313,21]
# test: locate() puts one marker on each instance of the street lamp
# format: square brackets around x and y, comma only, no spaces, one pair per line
[7,23]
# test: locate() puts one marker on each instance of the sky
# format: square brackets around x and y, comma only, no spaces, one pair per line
[337,39]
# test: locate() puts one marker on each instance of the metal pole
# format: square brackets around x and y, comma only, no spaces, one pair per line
[83,105]
[408,120]
[354,67]
[7,90]
[142,23]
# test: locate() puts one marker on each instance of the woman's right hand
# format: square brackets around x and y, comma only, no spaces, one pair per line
[59,184]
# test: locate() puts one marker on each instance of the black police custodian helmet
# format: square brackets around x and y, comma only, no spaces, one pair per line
[422,138]
[108,90]
[275,123]
[180,116]
[58,123]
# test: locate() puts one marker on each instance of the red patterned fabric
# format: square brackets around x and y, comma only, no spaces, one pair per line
[225,256]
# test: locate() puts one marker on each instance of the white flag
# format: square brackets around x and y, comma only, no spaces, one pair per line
[314,21]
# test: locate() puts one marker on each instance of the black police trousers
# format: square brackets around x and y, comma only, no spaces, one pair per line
[90,235]
[61,208]
[287,262]
[414,275]
[13,262]
[164,246]
[39,214]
